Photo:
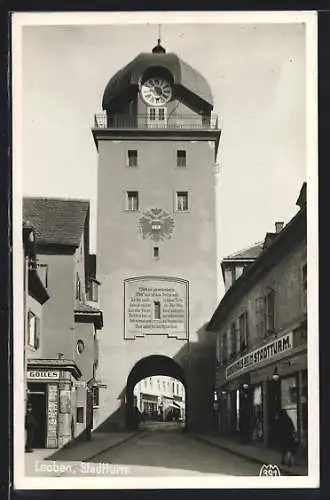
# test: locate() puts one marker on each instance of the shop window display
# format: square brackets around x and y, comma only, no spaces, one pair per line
[257,431]
[289,398]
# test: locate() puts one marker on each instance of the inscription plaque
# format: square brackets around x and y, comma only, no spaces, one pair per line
[156,306]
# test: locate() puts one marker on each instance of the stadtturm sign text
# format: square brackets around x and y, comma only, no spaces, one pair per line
[260,355]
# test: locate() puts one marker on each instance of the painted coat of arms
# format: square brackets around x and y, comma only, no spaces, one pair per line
[156,224]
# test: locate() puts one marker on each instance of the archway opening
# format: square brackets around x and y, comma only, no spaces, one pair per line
[156,394]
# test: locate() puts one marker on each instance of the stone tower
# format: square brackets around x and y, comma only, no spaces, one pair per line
[157,142]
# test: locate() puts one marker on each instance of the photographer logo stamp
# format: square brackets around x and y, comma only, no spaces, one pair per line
[269,470]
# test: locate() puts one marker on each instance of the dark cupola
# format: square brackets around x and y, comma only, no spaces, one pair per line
[189,86]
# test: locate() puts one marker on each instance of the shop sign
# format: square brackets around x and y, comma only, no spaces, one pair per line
[42,374]
[267,352]
[52,415]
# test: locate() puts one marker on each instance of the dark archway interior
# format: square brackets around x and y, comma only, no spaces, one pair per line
[147,367]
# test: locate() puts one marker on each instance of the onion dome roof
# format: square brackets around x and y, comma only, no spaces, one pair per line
[184,78]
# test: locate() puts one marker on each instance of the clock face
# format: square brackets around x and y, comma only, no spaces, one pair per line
[156,91]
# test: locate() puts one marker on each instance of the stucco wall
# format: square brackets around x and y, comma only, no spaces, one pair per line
[85,360]
[58,317]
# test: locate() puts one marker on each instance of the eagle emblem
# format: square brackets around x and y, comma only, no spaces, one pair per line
[156,224]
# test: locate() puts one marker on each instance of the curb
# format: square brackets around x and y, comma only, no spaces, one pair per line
[288,471]
[77,441]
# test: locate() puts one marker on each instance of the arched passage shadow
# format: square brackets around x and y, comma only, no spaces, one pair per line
[193,365]
[147,367]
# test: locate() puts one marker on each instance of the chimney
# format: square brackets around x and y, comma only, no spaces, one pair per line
[279,226]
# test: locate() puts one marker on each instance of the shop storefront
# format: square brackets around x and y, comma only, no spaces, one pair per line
[261,383]
[50,389]
[149,404]
[257,427]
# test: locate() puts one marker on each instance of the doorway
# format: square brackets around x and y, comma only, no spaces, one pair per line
[273,408]
[37,397]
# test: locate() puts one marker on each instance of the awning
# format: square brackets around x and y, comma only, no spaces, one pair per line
[175,405]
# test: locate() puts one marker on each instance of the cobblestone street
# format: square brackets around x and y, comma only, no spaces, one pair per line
[163,451]
[159,450]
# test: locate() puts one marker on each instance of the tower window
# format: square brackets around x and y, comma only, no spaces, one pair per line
[156,252]
[156,117]
[181,158]
[132,200]
[132,155]
[182,201]
[156,309]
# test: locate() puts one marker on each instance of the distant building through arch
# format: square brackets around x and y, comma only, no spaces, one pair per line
[148,367]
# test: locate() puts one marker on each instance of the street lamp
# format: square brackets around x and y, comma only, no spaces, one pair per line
[275,375]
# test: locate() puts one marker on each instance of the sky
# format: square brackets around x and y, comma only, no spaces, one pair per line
[257,76]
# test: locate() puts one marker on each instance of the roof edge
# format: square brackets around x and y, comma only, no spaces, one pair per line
[246,280]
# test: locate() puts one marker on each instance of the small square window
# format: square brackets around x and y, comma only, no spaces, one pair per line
[152,114]
[182,201]
[181,158]
[33,339]
[80,415]
[156,252]
[161,114]
[132,200]
[132,157]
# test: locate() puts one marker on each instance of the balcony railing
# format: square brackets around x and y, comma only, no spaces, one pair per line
[176,122]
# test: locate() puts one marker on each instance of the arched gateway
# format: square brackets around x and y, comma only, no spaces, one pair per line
[157,141]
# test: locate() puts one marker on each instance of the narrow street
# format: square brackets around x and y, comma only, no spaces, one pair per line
[164,450]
